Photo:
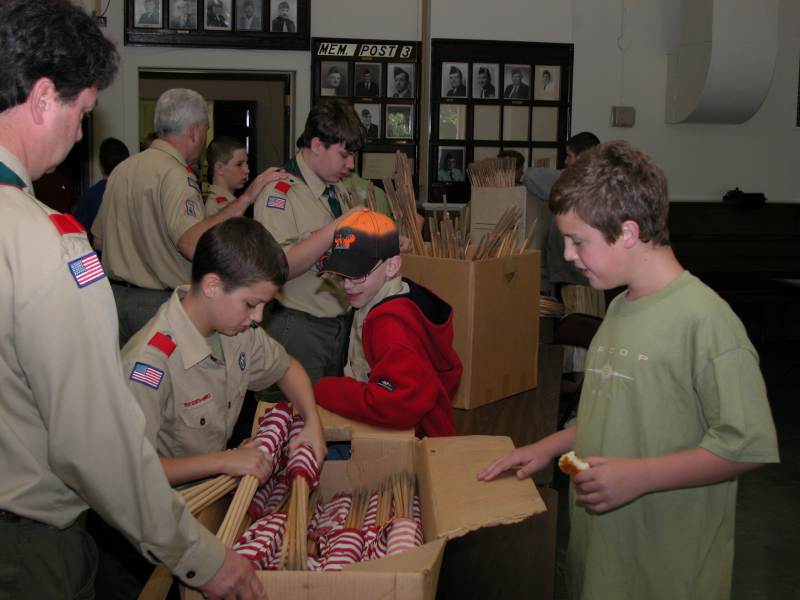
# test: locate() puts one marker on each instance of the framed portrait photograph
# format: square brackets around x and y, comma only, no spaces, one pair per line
[147,13]
[218,15]
[183,14]
[283,15]
[453,121]
[547,82]
[249,16]
[455,79]
[370,116]
[450,164]
[484,81]
[517,82]
[333,78]
[367,80]
[399,121]
[400,80]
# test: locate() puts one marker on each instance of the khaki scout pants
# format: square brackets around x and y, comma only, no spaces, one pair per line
[38,561]
[319,344]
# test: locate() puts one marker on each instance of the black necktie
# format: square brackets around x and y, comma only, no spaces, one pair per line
[333,201]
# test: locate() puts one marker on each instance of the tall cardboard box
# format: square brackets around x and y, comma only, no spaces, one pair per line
[487,205]
[496,320]
[453,503]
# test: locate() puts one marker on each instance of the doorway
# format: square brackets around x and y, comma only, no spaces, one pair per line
[255,107]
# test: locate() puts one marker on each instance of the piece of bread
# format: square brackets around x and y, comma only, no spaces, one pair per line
[571,464]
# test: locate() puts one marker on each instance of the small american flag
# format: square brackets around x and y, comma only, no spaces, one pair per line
[276,202]
[150,376]
[86,269]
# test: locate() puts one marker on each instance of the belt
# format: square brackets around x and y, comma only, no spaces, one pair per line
[8,516]
[123,283]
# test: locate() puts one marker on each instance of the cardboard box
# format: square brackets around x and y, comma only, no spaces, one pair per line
[453,503]
[496,320]
[488,205]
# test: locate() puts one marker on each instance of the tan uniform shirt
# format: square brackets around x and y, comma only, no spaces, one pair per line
[191,396]
[150,201]
[290,217]
[217,199]
[357,366]
[69,427]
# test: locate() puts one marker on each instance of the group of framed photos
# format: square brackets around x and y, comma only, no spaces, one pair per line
[282,24]
[381,79]
[516,97]
[482,81]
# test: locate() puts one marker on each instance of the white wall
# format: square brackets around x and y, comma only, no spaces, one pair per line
[701,161]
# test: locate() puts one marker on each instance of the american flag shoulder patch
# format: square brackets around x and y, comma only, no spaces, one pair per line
[150,376]
[276,202]
[86,269]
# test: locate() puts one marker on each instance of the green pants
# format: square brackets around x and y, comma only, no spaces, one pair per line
[39,561]
[319,344]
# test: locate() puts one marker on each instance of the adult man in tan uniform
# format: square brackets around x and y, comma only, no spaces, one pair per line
[70,431]
[152,213]
[311,319]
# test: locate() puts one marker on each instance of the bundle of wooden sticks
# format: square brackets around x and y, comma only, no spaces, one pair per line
[493,172]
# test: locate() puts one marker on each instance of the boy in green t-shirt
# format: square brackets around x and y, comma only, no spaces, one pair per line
[673,406]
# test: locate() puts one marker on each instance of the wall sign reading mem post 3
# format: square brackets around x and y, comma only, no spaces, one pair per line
[381,80]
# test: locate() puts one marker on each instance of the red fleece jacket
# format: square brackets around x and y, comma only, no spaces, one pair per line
[414,371]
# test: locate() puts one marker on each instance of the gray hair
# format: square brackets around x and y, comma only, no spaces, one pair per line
[177,109]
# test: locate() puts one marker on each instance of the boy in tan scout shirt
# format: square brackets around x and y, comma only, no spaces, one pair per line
[228,170]
[311,318]
[71,434]
[190,366]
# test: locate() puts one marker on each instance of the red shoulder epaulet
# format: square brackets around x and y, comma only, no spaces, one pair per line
[189,170]
[221,199]
[283,186]
[163,342]
[66,224]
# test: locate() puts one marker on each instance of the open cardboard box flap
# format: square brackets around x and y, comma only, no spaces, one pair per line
[458,503]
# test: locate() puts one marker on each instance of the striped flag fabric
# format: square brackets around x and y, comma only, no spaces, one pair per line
[86,269]
[150,376]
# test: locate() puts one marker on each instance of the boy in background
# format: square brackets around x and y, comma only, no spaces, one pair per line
[228,172]
[112,152]
[673,407]
[401,369]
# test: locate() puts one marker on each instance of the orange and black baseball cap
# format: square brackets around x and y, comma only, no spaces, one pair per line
[361,240]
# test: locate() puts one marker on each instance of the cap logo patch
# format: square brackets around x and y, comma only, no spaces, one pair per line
[278,202]
[86,270]
[344,241]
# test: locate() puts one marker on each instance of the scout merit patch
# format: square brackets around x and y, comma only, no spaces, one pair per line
[278,202]
[150,376]
[86,269]
[242,361]
[190,208]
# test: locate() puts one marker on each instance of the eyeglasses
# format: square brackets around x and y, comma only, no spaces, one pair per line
[354,280]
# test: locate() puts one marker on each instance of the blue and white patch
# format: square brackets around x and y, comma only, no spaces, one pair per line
[386,384]
[242,361]
[278,202]
[150,376]
[190,210]
[86,269]
[193,183]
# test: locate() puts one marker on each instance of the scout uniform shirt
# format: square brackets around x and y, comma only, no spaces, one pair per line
[357,366]
[217,199]
[151,199]
[191,388]
[291,209]
[69,427]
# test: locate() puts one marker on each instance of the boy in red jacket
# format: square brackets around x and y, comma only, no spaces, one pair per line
[401,369]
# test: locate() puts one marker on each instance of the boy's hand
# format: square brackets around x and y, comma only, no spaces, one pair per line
[235,579]
[610,483]
[526,458]
[248,460]
[261,180]
[311,435]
